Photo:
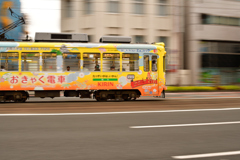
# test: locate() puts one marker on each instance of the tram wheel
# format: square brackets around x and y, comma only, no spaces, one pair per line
[23,100]
[17,100]
[19,97]
[20,100]
[101,99]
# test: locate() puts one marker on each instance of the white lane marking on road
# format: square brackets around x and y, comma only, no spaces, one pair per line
[186,125]
[207,155]
[130,112]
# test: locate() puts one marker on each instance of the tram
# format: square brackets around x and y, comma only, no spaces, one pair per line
[65,63]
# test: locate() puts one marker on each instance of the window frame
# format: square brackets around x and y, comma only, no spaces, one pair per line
[6,60]
[114,61]
[156,63]
[79,66]
[167,43]
[147,55]
[88,7]
[100,64]
[208,19]
[121,68]
[38,66]
[69,8]
[111,2]
[136,4]
[138,36]
[43,62]
[159,4]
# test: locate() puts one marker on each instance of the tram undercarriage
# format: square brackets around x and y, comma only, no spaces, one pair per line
[15,96]
[99,95]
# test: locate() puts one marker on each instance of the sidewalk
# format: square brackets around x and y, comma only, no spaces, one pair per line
[227,88]
[203,95]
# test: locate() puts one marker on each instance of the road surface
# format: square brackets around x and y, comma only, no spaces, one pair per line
[147,129]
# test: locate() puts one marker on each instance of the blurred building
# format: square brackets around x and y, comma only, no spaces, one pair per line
[143,20]
[202,37]
[212,41]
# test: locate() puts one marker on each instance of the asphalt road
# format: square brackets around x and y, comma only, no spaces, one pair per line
[148,129]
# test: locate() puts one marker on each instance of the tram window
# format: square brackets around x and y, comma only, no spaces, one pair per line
[49,61]
[146,63]
[9,61]
[130,62]
[111,62]
[91,62]
[30,61]
[72,60]
[154,64]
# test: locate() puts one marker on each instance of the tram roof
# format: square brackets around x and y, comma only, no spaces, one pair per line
[87,45]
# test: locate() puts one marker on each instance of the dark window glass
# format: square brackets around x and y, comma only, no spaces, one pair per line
[220,61]
[154,64]
[146,63]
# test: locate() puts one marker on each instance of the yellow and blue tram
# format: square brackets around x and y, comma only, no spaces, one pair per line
[111,69]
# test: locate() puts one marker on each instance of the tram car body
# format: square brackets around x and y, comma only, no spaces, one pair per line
[112,70]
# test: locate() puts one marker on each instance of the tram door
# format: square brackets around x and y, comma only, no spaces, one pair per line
[155,73]
[151,73]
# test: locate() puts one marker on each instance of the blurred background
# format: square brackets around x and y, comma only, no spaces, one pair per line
[202,37]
